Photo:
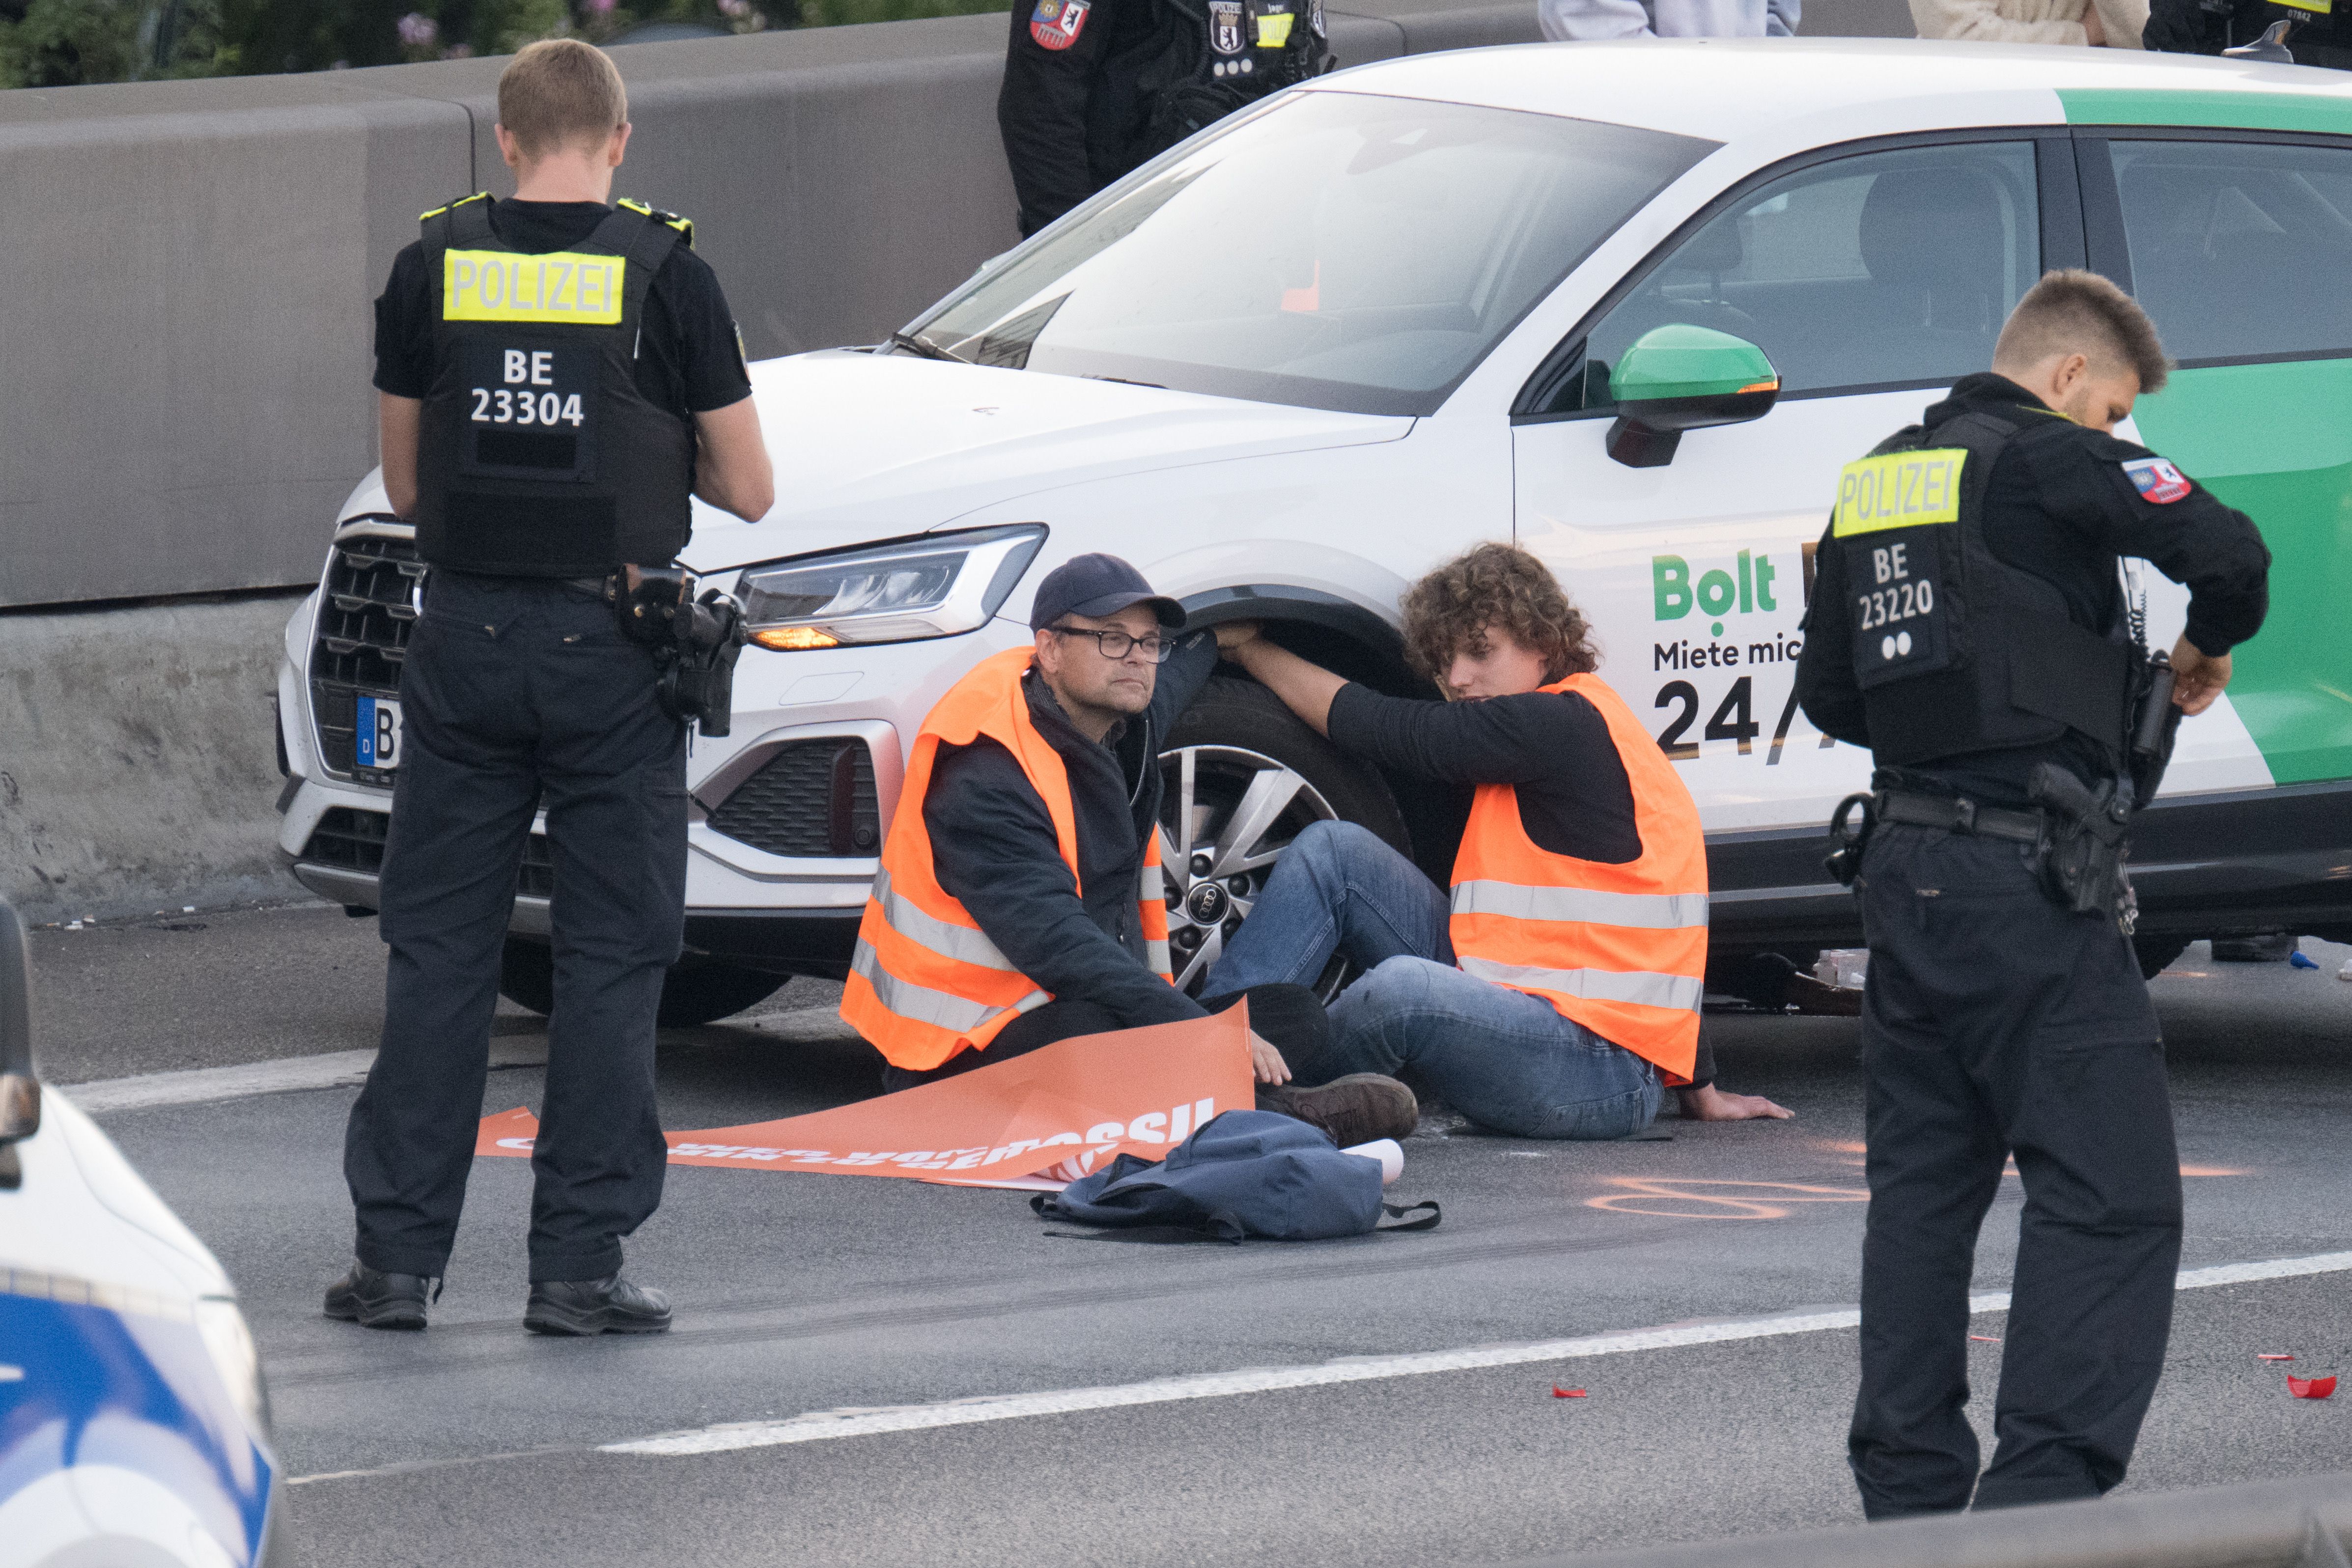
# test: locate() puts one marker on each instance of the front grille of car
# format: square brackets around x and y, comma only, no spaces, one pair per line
[353,840]
[812,798]
[349,839]
[366,608]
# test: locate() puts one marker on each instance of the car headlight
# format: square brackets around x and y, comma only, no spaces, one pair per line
[932,585]
[230,1346]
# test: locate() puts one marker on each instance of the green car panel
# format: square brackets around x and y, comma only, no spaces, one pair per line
[2274,440]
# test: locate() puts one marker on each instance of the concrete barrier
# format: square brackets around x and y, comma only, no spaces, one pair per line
[138,764]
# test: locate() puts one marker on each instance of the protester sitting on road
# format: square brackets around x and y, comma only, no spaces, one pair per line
[1558,996]
[1020,899]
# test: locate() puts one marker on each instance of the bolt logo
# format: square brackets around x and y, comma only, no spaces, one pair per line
[1716,591]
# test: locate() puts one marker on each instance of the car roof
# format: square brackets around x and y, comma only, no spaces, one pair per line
[1829,89]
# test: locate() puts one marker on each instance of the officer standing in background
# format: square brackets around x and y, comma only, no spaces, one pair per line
[1968,627]
[1096,87]
[556,376]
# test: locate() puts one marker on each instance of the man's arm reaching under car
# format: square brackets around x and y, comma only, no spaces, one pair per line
[1484,747]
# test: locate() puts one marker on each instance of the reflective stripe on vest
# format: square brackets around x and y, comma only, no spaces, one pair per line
[1676,991]
[939,1009]
[1650,912]
[925,982]
[1619,949]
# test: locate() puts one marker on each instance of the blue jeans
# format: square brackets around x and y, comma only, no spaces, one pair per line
[1502,1057]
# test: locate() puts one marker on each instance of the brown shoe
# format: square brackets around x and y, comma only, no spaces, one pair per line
[1352,1109]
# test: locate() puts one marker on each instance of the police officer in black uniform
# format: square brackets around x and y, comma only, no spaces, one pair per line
[1095,87]
[1968,626]
[557,376]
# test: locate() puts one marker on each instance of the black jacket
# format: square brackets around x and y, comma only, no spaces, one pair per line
[1074,118]
[993,849]
[2064,510]
[1553,747]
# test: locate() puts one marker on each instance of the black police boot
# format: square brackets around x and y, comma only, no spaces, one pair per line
[608,1306]
[1352,1109]
[376,1299]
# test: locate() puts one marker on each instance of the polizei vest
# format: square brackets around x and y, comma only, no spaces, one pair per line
[538,455]
[1225,54]
[1955,650]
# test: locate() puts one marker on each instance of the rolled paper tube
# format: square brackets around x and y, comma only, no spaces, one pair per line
[1386,1152]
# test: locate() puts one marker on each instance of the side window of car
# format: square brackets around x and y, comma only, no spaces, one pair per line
[2239,248]
[1886,268]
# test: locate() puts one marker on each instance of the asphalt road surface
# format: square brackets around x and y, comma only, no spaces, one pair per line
[1386,1399]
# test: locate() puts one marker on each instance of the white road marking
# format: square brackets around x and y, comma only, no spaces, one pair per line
[821,1426]
[196,1086]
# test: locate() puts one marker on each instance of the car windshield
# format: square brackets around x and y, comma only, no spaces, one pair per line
[1338,251]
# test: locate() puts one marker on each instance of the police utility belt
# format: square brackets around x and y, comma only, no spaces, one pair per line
[696,640]
[2080,837]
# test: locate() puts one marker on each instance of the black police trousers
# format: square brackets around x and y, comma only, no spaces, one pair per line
[1997,1023]
[518,693]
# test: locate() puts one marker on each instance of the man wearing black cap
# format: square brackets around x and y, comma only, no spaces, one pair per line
[1111,670]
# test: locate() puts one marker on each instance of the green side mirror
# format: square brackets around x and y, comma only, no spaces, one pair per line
[1680,377]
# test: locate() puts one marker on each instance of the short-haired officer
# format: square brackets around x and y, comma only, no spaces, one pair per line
[1094,89]
[558,375]
[1968,626]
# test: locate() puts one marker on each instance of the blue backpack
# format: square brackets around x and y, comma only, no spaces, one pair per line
[1245,1172]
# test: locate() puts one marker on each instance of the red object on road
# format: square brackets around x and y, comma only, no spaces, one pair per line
[2261,1357]
[1984,1339]
[2311,1387]
[1560,1392]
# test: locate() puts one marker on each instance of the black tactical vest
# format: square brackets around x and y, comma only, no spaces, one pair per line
[1225,54]
[1955,650]
[538,455]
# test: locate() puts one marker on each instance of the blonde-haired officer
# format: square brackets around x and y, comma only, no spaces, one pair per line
[558,373]
[1967,625]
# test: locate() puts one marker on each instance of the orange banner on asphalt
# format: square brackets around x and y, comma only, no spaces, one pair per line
[1056,1114]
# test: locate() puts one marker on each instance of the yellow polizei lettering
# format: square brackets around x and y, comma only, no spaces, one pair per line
[1900,489]
[563,287]
[1274,32]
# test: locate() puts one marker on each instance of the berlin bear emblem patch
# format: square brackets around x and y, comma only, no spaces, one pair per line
[1056,24]
[2156,481]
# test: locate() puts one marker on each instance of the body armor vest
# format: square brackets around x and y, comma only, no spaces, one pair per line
[1955,650]
[1225,54]
[538,457]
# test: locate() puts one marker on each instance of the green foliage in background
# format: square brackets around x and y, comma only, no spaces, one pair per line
[67,43]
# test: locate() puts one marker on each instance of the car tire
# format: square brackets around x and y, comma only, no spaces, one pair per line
[2157,954]
[1238,737]
[692,994]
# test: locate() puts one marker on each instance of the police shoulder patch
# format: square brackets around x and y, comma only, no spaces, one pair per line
[2157,479]
[1056,24]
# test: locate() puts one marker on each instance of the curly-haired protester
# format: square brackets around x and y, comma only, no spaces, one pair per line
[1555,992]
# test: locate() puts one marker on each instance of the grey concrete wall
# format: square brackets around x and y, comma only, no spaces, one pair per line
[190,273]
[137,765]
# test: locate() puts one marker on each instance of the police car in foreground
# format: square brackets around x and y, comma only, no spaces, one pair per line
[1632,304]
[134,1432]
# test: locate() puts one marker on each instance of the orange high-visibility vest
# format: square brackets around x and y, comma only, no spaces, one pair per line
[1619,949]
[925,981]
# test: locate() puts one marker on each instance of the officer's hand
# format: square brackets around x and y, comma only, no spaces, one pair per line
[1709,1103]
[1267,1062]
[2196,677]
[1234,634]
